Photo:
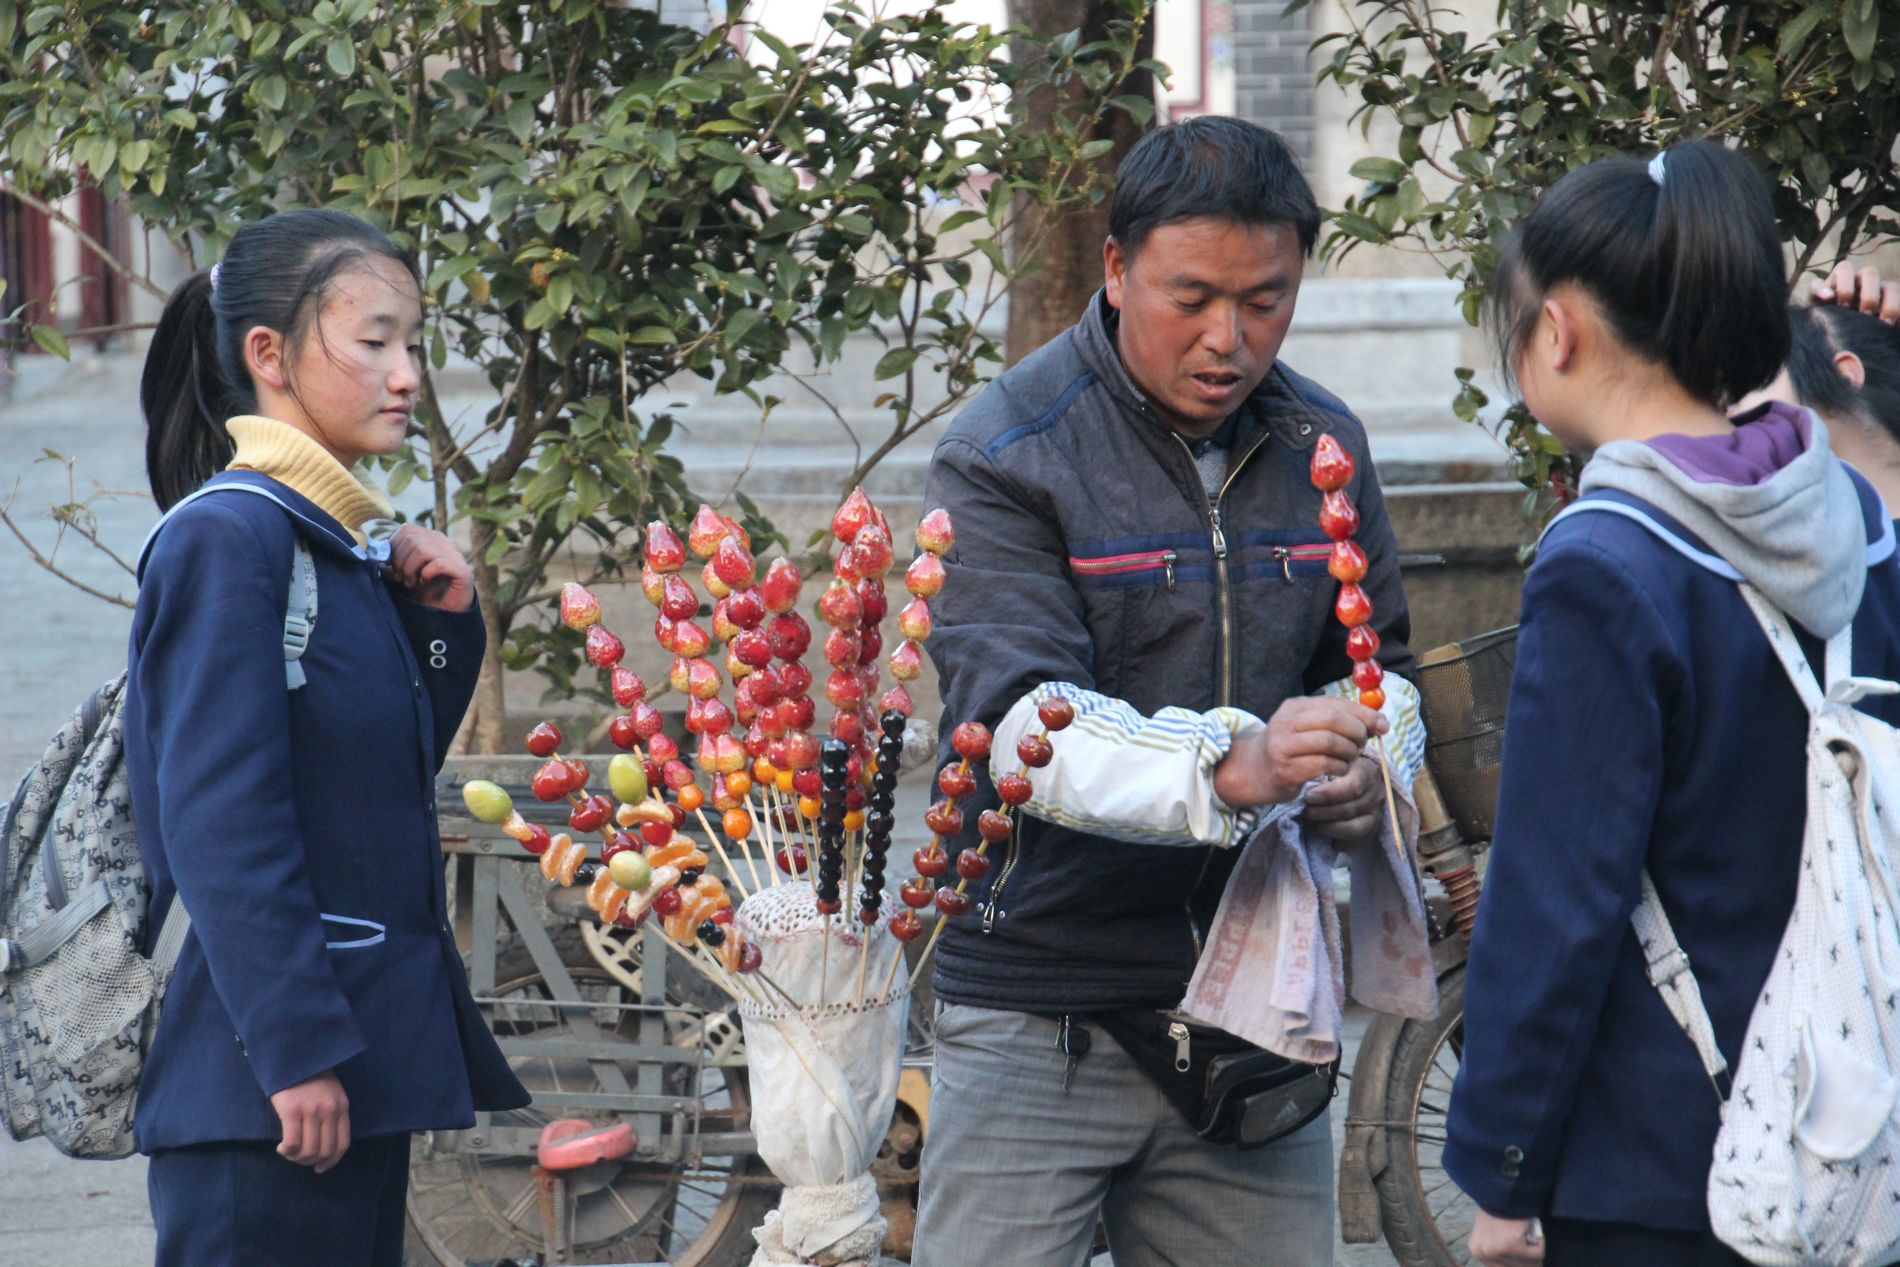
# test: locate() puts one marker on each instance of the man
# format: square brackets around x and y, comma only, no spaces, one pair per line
[1135,520]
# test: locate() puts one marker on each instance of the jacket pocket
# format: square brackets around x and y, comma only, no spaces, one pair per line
[1115,571]
[346,932]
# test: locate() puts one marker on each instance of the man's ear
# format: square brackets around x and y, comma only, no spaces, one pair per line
[264,357]
[1848,366]
[1114,270]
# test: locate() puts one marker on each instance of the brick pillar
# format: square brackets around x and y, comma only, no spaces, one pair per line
[1273,76]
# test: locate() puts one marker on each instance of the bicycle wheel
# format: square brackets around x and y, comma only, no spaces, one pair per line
[471,1210]
[1426,1218]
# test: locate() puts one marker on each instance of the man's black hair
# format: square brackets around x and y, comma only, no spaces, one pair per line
[1214,166]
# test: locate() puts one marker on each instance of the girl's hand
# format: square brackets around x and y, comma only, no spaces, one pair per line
[427,567]
[1497,1242]
[1861,289]
[316,1118]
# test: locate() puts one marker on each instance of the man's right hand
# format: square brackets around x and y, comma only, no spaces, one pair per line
[316,1118]
[1308,737]
[1861,289]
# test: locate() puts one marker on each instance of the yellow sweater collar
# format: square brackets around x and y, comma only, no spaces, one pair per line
[293,459]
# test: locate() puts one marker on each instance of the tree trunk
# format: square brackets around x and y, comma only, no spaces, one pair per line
[485,728]
[1068,251]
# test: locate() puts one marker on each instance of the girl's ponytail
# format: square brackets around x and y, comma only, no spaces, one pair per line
[1681,251]
[1723,328]
[185,395]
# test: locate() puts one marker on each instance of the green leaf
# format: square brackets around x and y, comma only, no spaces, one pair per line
[894,362]
[652,335]
[52,342]
[341,54]
[1796,33]
[1860,28]
[1383,171]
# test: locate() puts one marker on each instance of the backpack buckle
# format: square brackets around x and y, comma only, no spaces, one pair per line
[1665,968]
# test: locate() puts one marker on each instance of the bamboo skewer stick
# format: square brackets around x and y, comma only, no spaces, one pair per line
[712,838]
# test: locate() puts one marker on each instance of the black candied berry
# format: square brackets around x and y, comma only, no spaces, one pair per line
[833,755]
[711,933]
[690,876]
[585,873]
[892,723]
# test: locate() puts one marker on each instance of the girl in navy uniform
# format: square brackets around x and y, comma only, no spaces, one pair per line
[319,1011]
[1651,725]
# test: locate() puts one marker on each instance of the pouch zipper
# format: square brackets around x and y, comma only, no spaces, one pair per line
[1179,1033]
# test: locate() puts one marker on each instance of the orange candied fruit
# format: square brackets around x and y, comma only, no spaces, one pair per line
[691,798]
[854,820]
[738,783]
[738,824]
[808,806]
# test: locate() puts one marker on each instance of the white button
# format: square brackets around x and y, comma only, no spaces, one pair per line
[438,646]
[438,662]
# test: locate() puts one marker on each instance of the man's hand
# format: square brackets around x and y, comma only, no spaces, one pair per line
[427,567]
[1308,737]
[1497,1242]
[1859,288]
[316,1118]
[1349,810]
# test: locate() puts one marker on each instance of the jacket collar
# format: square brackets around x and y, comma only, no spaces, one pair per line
[319,528]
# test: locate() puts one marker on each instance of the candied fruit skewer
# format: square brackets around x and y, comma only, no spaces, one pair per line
[1014,790]
[1332,470]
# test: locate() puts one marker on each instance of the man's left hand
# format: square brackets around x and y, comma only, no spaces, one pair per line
[429,568]
[1350,809]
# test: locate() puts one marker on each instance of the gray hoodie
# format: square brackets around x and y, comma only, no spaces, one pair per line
[1770,498]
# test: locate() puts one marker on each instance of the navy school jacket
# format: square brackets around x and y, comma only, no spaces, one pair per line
[300,829]
[1649,725]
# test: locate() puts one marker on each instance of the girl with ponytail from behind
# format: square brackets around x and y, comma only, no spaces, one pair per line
[1652,725]
[319,1013]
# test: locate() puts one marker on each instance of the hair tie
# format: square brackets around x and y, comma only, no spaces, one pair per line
[220,264]
[1656,166]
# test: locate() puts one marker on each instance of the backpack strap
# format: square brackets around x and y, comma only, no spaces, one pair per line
[300,615]
[300,621]
[1667,965]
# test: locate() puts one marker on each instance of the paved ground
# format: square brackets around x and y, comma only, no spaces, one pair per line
[58,644]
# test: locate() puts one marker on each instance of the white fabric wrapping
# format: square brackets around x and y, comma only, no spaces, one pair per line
[823,1076]
[1273,970]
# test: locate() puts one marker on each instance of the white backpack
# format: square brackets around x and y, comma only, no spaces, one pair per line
[78,1002]
[1805,1171]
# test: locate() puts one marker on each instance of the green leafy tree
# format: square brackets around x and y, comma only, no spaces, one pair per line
[602,202]
[1483,118]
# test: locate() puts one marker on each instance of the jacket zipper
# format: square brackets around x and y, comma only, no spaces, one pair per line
[1124,563]
[1287,555]
[993,907]
[1223,604]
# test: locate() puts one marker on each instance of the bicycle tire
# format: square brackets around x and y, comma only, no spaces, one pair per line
[1426,1219]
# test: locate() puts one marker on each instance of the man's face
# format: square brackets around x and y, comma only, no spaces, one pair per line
[1205,305]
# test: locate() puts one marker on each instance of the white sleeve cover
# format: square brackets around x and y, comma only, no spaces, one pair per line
[1150,779]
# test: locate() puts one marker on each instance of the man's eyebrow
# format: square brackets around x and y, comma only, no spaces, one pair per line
[1275,283]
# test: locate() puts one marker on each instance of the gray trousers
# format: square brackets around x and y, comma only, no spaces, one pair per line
[1016,1169]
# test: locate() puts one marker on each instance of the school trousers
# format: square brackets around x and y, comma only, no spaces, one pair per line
[241,1205]
[1017,1167]
[1585,1243]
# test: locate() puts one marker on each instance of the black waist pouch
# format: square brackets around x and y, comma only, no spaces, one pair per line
[1229,1090]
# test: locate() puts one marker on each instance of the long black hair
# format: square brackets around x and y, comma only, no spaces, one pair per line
[1821,334]
[274,274]
[1683,255]
[1210,165]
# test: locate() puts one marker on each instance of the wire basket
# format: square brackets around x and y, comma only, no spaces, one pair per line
[1463,689]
